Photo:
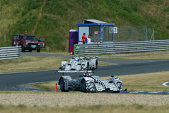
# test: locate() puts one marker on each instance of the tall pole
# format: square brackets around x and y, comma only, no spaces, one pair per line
[146,32]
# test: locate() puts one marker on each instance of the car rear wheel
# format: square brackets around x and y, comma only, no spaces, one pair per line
[87,65]
[62,85]
[96,64]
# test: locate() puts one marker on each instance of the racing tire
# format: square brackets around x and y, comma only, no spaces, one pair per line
[88,86]
[96,64]
[87,66]
[62,85]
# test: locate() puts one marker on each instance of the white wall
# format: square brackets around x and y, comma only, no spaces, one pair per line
[82,30]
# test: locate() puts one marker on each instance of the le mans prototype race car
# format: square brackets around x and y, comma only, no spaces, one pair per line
[89,83]
[80,63]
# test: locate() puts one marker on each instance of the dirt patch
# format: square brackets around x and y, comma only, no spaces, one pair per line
[62,99]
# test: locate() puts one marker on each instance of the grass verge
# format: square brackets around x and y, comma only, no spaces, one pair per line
[86,109]
[146,82]
[138,56]
[29,63]
[139,82]
[33,63]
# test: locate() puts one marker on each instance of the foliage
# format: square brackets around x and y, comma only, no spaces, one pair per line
[58,16]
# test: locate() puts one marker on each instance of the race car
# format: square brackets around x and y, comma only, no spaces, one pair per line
[89,83]
[80,63]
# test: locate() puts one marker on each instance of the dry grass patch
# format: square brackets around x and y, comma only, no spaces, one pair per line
[46,85]
[33,63]
[146,82]
[57,52]
[137,56]
[88,109]
[100,63]
[64,99]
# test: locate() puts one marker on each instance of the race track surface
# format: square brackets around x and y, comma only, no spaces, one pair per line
[12,81]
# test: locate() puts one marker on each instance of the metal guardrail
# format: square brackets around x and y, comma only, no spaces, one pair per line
[122,47]
[10,52]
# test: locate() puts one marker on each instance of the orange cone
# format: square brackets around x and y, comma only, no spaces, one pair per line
[56,88]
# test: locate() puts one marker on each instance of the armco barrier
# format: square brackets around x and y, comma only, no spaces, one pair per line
[10,52]
[122,47]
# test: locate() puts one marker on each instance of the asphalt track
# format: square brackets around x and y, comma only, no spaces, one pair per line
[15,81]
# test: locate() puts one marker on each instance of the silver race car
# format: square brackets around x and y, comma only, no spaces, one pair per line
[79,63]
[89,83]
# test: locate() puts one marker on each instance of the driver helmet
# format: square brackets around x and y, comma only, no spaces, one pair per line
[76,59]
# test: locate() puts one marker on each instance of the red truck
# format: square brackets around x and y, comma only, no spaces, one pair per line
[28,42]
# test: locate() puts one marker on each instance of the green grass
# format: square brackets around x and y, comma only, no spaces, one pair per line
[86,109]
[58,16]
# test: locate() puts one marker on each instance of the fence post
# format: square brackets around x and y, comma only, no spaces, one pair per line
[146,32]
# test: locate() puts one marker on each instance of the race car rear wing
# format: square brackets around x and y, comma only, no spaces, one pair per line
[73,71]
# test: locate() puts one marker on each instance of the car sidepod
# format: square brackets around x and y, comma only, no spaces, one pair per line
[88,85]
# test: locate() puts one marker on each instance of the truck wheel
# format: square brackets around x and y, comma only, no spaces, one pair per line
[30,50]
[38,49]
[23,49]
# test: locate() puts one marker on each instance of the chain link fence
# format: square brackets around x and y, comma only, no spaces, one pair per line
[133,33]
[121,33]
